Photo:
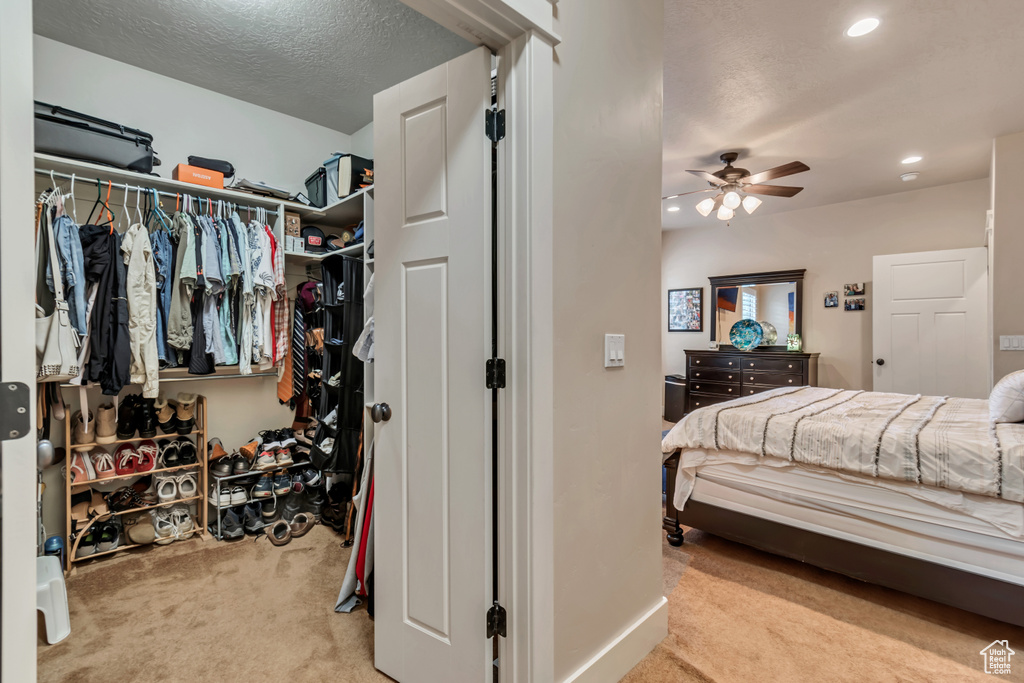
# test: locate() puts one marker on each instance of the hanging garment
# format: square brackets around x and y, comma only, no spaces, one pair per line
[347,597]
[200,362]
[280,306]
[227,337]
[109,349]
[179,323]
[140,290]
[246,301]
[72,266]
[363,348]
[214,287]
[299,347]
[264,287]
[163,261]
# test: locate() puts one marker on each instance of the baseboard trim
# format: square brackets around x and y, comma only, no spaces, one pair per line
[619,656]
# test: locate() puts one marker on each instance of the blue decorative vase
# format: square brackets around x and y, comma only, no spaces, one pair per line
[746,334]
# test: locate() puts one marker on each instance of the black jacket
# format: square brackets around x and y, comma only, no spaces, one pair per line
[109,361]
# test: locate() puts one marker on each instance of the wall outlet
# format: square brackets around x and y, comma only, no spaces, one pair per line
[614,350]
[1011,342]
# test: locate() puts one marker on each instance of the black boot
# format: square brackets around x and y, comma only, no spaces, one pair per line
[145,418]
[126,425]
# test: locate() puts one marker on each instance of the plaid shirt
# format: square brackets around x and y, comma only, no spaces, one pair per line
[279,309]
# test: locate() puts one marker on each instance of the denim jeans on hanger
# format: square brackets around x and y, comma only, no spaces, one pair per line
[69,249]
[163,260]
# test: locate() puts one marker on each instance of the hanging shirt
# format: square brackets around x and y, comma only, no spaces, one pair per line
[140,288]
[179,323]
[72,268]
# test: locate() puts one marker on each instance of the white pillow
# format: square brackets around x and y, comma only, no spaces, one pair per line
[1006,402]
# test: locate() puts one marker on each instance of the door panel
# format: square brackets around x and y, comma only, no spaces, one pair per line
[432,329]
[931,323]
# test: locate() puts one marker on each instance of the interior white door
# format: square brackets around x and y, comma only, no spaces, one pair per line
[432,340]
[931,323]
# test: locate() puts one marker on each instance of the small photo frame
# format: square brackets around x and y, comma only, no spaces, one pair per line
[854,304]
[854,289]
[685,310]
[832,299]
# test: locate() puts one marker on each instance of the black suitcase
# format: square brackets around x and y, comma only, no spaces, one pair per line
[65,133]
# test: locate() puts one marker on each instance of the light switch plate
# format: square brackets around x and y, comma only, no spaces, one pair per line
[1011,342]
[614,350]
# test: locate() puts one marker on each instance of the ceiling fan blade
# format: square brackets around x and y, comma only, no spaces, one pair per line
[772,190]
[704,175]
[777,172]
[683,194]
[718,202]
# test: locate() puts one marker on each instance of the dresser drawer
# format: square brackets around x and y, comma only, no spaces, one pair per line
[694,402]
[714,361]
[785,365]
[714,374]
[718,388]
[772,379]
[751,389]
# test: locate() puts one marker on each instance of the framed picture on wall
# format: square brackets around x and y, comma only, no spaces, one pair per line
[854,304]
[685,310]
[832,299]
[854,289]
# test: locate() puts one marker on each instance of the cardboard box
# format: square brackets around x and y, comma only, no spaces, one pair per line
[293,244]
[198,176]
[292,224]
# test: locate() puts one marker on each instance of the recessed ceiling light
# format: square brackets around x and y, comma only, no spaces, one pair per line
[911,160]
[862,27]
[907,177]
[673,208]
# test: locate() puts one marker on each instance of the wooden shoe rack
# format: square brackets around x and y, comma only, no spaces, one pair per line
[199,521]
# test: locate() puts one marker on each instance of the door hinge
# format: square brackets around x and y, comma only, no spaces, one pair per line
[496,621]
[14,422]
[494,124]
[496,373]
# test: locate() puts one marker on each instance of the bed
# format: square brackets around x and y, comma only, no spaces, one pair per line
[918,493]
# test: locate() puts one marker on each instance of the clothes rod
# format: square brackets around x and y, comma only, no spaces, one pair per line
[190,378]
[124,186]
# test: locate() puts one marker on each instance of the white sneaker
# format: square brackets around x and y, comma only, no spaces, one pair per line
[182,522]
[166,489]
[221,496]
[239,496]
[165,532]
[187,487]
[266,461]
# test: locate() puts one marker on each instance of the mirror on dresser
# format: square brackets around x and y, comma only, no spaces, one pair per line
[775,297]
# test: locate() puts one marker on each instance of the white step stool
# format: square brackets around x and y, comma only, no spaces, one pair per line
[52,598]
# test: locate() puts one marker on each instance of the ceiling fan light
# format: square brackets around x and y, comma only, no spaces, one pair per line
[750,203]
[731,200]
[863,27]
[706,206]
[725,213]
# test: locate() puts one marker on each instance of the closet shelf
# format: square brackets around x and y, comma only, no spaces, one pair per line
[255,473]
[303,258]
[196,534]
[158,437]
[90,482]
[84,169]
[344,212]
[154,506]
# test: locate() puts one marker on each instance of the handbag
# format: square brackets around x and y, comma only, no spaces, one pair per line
[56,341]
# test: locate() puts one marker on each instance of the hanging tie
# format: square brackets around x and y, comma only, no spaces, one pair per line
[299,350]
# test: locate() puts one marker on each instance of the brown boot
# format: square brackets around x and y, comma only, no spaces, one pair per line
[106,423]
[80,434]
[166,414]
[186,413]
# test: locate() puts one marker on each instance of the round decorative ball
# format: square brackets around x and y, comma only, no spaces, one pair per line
[771,335]
[746,334]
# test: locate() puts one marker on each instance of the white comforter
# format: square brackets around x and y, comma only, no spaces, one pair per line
[931,440]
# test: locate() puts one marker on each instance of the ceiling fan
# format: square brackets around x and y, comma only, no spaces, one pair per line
[733,183]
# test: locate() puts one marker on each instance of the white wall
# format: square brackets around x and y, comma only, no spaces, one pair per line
[183,119]
[1008,216]
[835,244]
[362,141]
[606,236]
[262,144]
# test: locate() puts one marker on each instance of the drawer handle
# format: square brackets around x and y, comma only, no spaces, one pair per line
[696,403]
[790,381]
[751,365]
[698,362]
[751,379]
[696,374]
[696,387]
[730,376]
[730,390]
[730,362]
[790,366]
[751,391]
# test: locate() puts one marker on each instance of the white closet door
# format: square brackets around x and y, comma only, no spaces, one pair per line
[432,314]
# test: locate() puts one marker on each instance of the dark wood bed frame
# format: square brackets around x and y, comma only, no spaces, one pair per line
[972,592]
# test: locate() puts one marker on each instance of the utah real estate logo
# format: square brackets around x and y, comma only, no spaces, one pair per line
[997,657]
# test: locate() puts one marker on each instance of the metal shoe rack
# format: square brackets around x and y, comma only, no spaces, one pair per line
[199,522]
[220,482]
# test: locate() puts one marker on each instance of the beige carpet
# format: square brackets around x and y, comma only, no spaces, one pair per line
[214,611]
[201,611]
[737,614]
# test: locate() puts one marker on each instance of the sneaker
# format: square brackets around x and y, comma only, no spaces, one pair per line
[125,459]
[239,464]
[87,546]
[126,416]
[311,477]
[166,418]
[287,437]
[313,502]
[221,468]
[231,525]
[102,463]
[298,483]
[239,496]
[169,454]
[264,488]
[220,496]
[305,435]
[182,521]
[163,525]
[270,512]
[332,419]
[187,454]
[271,439]
[145,418]
[106,423]
[109,537]
[146,454]
[187,485]
[282,485]
[166,488]
[291,507]
[252,518]
[185,412]
[266,461]
[81,467]
[79,433]
[284,456]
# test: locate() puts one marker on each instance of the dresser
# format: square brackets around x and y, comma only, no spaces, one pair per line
[716,376]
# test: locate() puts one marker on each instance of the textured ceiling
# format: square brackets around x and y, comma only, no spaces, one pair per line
[318,60]
[781,82]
